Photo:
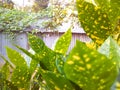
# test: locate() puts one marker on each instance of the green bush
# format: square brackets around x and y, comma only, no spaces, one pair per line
[16,20]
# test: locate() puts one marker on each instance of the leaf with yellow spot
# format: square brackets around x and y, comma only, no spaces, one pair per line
[6,84]
[91,45]
[15,57]
[115,6]
[95,68]
[33,65]
[111,49]
[47,59]
[111,7]
[56,81]
[25,51]
[43,54]
[5,70]
[94,21]
[63,42]
[21,77]
[36,43]
[102,2]
[60,59]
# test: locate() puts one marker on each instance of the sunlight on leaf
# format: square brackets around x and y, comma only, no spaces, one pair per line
[15,57]
[36,43]
[111,49]
[21,77]
[56,82]
[86,67]
[63,42]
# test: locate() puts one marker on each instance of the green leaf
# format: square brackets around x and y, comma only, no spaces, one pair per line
[90,69]
[7,85]
[36,43]
[44,55]
[63,42]
[56,82]
[33,65]
[60,59]
[111,49]
[47,59]
[7,61]
[21,77]
[112,8]
[5,70]
[102,3]
[95,23]
[15,57]
[26,52]
[115,3]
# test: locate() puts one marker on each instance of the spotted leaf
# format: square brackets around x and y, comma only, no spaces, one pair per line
[43,54]
[63,42]
[36,43]
[15,57]
[102,3]
[56,82]
[33,65]
[111,7]
[115,4]
[5,71]
[111,49]
[60,59]
[48,58]
[26,52]
[21,77]
[90,69]
[95,22]
[6,84]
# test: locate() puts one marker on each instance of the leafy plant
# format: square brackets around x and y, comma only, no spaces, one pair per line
[83,68]
[54,70]
[16,20]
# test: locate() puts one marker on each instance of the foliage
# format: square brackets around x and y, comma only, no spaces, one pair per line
[6,4]
[23,75]
[83,68]
[54,70]
[89,67]
[64,12]
[64,39]
[14,20]
[102,19]
[39,5]
[49,18]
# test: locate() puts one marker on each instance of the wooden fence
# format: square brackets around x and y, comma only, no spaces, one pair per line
[48,37]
